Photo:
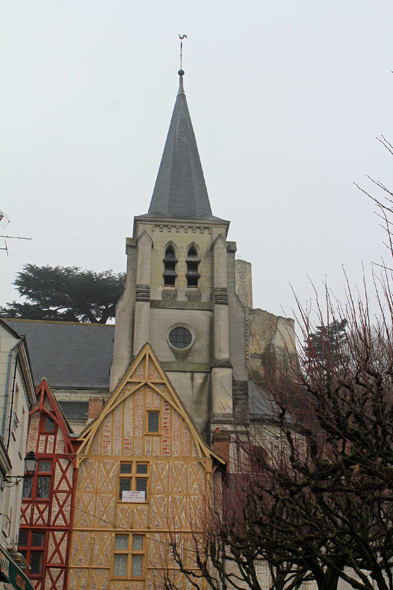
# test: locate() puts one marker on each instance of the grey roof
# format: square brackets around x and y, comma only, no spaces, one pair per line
[180,189]
[260,405]
[69,355]
[75,410]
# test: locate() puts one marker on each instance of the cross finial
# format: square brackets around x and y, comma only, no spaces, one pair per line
[181,37]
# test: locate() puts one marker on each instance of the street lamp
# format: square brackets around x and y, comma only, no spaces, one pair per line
[30,467]
[30,464]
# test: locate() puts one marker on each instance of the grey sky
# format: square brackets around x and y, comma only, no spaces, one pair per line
[286,99]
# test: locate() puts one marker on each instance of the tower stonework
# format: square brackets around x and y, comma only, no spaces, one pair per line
[181,275]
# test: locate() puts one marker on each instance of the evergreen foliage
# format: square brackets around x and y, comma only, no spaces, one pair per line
[327,340]
[65,293]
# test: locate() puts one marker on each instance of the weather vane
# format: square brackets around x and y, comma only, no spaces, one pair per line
[181,37]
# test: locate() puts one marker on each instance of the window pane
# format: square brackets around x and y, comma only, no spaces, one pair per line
[121,542]
[38,540]
[153,422]
[49,424]
[125,486]
[120,568]
[141,485]
[27,487]
[180,337]
[22,541]
[125,467]
[137,543]
[141,468]
[35,562]
[45,466]
[43,483]
[137,565]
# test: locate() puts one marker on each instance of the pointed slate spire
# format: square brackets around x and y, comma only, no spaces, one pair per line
[180,189]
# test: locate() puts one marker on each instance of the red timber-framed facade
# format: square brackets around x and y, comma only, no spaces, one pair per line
[47,506]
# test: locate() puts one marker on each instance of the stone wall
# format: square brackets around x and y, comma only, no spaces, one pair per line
[243,272]
[271,339]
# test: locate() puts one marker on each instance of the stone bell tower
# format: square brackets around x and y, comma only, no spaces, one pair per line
[180,288]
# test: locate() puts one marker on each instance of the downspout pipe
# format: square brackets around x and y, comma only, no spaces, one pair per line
[7,384]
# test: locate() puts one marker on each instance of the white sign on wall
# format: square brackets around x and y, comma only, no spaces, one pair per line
[132,496]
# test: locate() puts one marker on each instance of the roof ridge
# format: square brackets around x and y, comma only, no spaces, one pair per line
[54,322]
[56,402]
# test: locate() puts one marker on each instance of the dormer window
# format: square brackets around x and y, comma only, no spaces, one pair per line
[170,262]
[192,267]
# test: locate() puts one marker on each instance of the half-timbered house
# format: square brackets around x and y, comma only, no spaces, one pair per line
[143,472]
[47,507]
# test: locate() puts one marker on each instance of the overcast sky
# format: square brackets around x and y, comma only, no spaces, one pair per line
[286,100]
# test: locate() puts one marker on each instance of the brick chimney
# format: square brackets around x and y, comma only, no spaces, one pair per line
[95,406]
[221,444]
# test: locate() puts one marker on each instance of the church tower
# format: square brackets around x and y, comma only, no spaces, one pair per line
[180,293]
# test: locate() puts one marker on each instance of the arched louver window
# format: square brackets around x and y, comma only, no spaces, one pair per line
[170,262]
[192,267]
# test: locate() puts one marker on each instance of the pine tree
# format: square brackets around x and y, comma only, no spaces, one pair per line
[65,294]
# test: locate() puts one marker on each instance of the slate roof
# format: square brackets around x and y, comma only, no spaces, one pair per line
[69,355]
[261,407]
[75,410]
[180,189]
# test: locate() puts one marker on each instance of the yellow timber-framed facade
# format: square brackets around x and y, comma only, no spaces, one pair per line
[140,480]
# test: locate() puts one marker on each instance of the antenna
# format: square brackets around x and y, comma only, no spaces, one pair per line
[4,221]
[6,248]
[181,37]
[15,238]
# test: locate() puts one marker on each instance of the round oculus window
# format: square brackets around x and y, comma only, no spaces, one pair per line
[180,338]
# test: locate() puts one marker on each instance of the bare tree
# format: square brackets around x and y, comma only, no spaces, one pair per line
[384,203]
[312,495]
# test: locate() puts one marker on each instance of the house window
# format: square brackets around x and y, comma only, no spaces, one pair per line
[125,482]
[180,337]
[43,481]
[128,556]
[43,485]
[121,556]
[192,267]
[31,546]
[36,562]
[27,487]
[141,485]
[38,486]
[23,536]
[153,422]
[49,424]
[133,477]
[137,556]
[170,262]
[45,466]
